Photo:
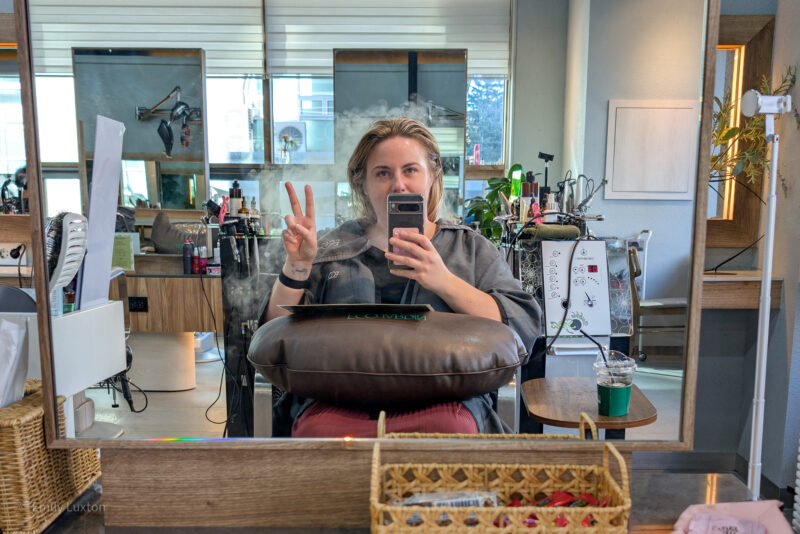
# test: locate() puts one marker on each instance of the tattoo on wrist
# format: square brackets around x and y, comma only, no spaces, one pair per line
[295,270]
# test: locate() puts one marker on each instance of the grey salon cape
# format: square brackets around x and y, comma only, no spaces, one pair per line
[338,276]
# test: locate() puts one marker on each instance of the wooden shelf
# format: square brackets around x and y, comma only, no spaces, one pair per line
[175,303]
[737,290]
[15,228]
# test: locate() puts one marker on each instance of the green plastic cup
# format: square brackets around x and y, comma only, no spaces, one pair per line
[614,383]
[613,400]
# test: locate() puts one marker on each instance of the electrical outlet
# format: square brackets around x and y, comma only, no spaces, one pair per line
[6,257]
[137,304]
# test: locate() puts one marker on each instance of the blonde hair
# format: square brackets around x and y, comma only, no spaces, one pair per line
[386,129]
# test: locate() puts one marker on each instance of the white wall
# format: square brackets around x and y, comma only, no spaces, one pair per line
[644,49]
[539,77]
[633,53]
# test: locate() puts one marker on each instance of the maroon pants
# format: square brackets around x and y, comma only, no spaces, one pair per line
[326,421]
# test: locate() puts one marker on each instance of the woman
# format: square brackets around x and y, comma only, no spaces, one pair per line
[450,267]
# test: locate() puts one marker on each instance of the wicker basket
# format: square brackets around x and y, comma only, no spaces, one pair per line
[393,482]
[37,483]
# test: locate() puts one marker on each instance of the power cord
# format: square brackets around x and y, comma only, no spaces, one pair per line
[124,382]
[565,303]
[237,391]
[745,249]
[20,249]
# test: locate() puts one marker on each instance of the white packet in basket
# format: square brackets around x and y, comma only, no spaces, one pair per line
[451,498]
[13,361]
[713,524]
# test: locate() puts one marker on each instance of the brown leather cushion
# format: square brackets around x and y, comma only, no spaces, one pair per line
[384,361]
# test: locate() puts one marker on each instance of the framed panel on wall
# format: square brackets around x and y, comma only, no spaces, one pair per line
[649,150]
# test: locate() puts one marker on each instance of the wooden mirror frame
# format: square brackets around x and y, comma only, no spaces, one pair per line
[278,482]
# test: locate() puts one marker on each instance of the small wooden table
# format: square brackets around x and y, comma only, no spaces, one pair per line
[559,401]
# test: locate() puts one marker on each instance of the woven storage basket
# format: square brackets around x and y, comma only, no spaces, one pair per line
[37,483]
[393,482]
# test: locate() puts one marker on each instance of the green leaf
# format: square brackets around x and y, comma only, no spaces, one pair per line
[728,134]
[739,167]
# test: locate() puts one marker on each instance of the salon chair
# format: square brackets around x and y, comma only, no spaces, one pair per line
[649,308]
[506,402]
[14,300]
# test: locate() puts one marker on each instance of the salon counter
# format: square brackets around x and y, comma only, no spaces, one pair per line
[173,302]
[737,290]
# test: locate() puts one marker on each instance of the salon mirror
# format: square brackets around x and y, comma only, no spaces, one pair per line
[17,293]
[159,96]
[13,181]
[631,55]
[743,58]
[427,85]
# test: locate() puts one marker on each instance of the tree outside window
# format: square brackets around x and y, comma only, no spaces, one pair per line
[485,114]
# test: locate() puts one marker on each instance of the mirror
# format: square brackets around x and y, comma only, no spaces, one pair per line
[728,89]
[159,96]
[17,292]
[427,85]
[13,190]
[624,65]
[743,58]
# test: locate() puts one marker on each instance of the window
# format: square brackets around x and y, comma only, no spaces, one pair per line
[62,190]
[221,185]
[134,184]
[485,120]
[235,119]
[302,119]
[55,113]
[12,135]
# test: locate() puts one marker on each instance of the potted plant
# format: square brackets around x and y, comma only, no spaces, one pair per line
[483,210]
[751,159]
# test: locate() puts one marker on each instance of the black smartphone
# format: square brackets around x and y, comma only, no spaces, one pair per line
[405,212]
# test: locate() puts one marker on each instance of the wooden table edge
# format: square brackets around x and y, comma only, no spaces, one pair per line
[601,421]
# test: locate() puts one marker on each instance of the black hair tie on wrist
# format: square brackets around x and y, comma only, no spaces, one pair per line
[291,283]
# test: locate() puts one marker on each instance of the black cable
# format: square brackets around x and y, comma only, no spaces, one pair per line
[587,180]
[110,383]
[724,179]
[143,394]
[716,191]
[745,249]
[236,390]
[515,236]
[565,304]
[19,264]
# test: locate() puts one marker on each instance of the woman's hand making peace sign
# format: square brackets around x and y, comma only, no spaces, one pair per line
[300,235]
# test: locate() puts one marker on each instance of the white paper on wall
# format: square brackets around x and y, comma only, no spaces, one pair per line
[102,212]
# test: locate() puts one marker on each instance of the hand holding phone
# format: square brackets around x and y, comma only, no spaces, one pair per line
[405,212]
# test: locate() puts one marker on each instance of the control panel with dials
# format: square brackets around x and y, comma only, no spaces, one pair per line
[588,298]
